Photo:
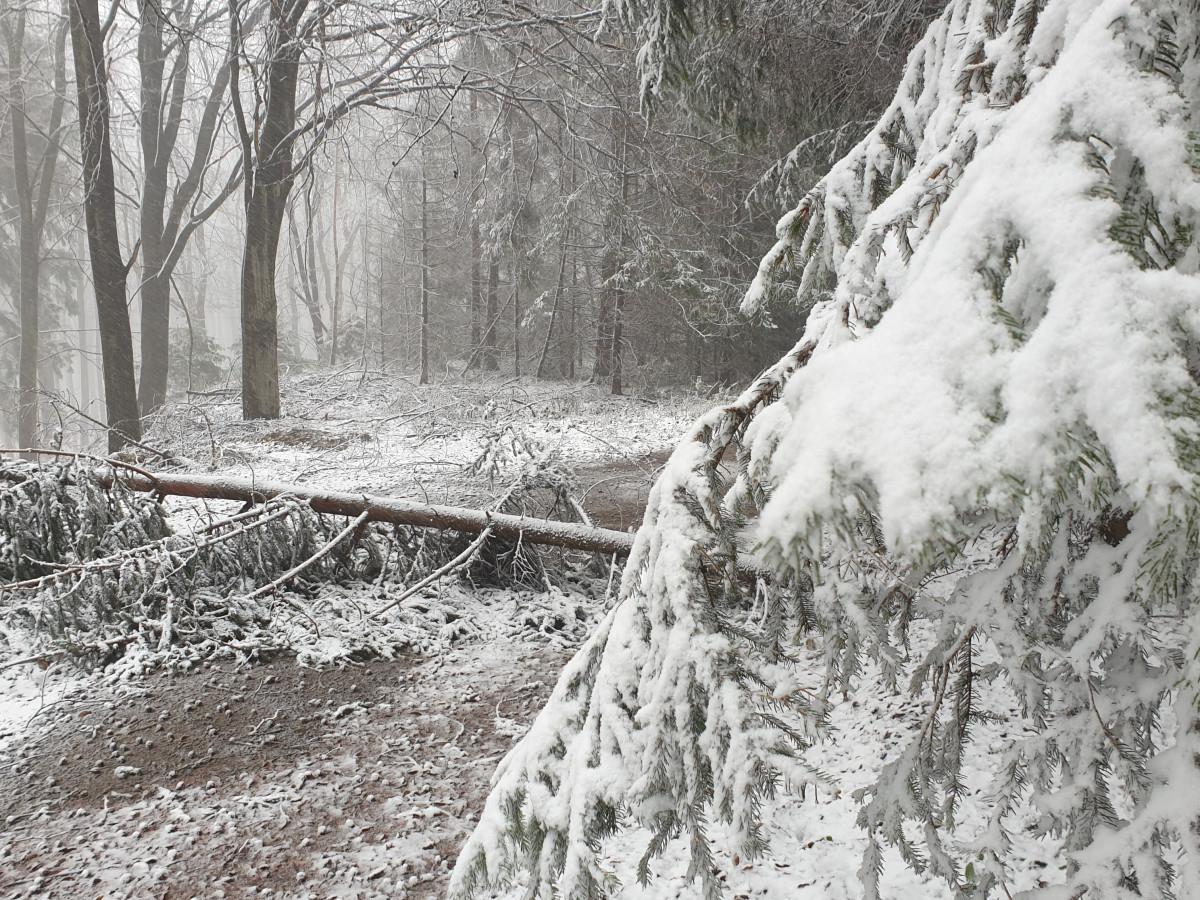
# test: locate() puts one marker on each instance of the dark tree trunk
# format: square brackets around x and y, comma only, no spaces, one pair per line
[155,292]
[30,263]
[602,363]
[260,307]
[29,257]
[269,168]
[200,282]
[320,332]
[167,219]
[424,278]
[100,212]
[476,243]
[618,386]
[516,277]
[476,286]
[543,369]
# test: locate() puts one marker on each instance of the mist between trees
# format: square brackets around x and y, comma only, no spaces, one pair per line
[198,196]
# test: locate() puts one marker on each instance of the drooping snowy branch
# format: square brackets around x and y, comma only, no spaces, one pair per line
[995,430]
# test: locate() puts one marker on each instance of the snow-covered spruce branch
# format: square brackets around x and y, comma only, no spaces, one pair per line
[355,524]
[676,711]
[258,517]
[996,433]
[454,565]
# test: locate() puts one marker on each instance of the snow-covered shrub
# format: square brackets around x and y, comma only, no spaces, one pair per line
[49,516]
[990,422]
[89,568]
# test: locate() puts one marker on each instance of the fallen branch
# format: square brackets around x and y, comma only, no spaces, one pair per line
[460,560]
[312,560]
[171,542]
[570,535]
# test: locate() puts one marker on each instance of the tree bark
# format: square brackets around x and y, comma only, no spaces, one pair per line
[268,162]
[571,535]
[33,201]
[164,229]
[516,277]
[424,276]
[155,291]
[100,212]
[490,363]
[29,250]
[320,332]
[602,362]
[558,289]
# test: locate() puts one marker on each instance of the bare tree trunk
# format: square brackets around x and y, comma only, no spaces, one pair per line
[424,277]
[516,277]
[476,286]
[602,363]
[618,386]
[167,221]
[558,289]
[268,163]
[33,201]
[312,288]
[490,363]
[476,243]
[335,298]
[572,535]
[573,293]
[320,332]
[29,256]
[100,211]
[155,293]
[200,282]
[260,307]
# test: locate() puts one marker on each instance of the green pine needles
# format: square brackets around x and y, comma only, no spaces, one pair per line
[989,426]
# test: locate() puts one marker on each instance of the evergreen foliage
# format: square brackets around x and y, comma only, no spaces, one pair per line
[991,426]
[89,569]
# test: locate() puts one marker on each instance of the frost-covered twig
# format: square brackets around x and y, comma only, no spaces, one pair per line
[454,565]
[74,454]
[312,560]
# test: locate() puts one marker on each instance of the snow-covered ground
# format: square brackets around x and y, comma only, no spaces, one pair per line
[187,777]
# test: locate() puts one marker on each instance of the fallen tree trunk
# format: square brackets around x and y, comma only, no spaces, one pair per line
[571,535]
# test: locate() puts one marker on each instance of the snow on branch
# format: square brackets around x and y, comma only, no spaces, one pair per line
[994,429]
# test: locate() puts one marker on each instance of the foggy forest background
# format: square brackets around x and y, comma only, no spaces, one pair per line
[432,191]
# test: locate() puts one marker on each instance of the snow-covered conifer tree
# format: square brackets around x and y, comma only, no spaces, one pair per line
[990,424]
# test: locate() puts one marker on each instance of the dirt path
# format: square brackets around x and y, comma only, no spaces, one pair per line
[267,780]
[614,492]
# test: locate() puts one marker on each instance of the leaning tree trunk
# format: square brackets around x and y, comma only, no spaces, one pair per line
[100,213]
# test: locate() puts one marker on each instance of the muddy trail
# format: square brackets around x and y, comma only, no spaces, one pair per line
[252,776]
[614,492]
[267,780]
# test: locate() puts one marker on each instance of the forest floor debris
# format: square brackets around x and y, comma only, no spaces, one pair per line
[204,773]
[247,774]
[268,779]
